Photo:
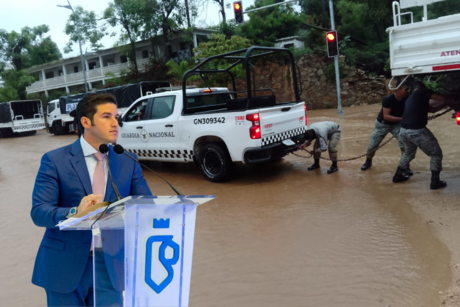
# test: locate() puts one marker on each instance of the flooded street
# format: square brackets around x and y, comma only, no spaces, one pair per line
[277,234]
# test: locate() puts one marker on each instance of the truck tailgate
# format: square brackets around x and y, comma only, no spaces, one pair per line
[425,47]
[282,122]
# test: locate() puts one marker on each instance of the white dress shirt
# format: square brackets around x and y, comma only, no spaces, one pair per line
[91,161]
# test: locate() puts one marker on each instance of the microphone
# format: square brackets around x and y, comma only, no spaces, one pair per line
[105,149]
[120,150]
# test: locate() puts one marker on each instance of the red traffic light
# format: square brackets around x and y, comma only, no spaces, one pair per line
[330,36]
[237,6]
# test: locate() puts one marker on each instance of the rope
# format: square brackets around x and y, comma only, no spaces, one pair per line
[372,150]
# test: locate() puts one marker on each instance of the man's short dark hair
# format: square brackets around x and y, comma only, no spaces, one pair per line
[87,107]
[417,85]
[400,84]
[310,135]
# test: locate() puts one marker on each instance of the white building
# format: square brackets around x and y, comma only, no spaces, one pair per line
[67,75]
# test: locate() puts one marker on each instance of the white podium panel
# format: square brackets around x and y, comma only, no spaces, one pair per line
[142,250]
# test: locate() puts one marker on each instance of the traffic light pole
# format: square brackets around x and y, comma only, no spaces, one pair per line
[336,62]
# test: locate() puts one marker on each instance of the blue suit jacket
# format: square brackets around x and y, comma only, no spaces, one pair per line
[62,181]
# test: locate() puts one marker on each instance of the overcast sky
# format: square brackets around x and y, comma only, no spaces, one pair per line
[16,14]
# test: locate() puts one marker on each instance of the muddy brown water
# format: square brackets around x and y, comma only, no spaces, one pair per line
[276,235]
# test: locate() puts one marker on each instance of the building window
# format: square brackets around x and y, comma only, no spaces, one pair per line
[60,72]
[75,69]
[49,75]
[183,46]
[145,54]
[92,65]
[123,59]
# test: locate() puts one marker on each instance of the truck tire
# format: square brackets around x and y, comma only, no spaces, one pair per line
[58,129]
[6,133]
[216,162]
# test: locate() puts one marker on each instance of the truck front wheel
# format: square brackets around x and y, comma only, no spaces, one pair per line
[216,162]
[58,129]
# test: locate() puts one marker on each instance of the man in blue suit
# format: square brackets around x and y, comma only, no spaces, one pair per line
[64,187]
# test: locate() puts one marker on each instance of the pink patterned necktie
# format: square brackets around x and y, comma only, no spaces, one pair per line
[99,176]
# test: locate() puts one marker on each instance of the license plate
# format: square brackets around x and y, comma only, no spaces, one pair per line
[288,142]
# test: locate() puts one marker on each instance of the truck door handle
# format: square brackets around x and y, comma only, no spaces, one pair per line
[285,109]
[140,127]
[168,126]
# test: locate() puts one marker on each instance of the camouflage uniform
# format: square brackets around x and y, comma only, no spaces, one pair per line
[380,132]
[426,141]
[326,131]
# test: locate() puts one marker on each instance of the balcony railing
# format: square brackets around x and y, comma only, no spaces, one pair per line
[91,75]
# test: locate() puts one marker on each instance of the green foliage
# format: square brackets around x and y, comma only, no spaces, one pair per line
[220,44]
[329,71]
[113,80]
[15,84]
[265,26]
[155,69]
[175,70]
[300,52]
[28,48]
[84,26]
[227,28]
[372,57]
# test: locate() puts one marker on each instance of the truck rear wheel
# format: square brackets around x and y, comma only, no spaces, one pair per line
[216,162]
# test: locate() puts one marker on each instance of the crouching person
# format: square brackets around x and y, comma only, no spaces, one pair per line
[323,132]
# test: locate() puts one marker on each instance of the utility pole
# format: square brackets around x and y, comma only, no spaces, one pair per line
[336,62]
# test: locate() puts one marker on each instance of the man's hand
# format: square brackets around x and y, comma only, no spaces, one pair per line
[88,201]
[303,146]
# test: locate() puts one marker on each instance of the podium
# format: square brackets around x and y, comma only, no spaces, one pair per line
[142,249]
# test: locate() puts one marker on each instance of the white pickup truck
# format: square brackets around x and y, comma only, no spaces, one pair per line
[22,116]
[214,128]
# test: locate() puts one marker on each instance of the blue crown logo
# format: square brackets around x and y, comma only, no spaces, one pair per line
[160,223]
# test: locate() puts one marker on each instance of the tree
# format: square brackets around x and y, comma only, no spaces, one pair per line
[25,49]
[222,9]
[84,26]
[126,13]
[15,85]
[267,25]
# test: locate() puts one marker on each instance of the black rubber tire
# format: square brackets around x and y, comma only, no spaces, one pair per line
[58,129]
[216,163]
[6,133]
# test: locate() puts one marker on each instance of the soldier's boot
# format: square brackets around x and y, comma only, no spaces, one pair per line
[333,168]
[436,183]
[367,165]
[399,176]
[408,172]
[315,165]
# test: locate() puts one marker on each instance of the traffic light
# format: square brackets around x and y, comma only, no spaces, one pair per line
[238,9]
[332,44]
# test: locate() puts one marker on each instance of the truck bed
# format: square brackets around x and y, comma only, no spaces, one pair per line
[425,47]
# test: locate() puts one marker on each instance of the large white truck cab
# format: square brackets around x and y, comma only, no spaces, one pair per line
[214,126]
[22,116]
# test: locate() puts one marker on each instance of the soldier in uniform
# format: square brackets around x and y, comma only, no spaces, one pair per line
[414,133]
[323,132]
[388,121]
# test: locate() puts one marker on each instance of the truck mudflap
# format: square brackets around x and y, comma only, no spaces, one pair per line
[275,138]
[274,151]
[26,128]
